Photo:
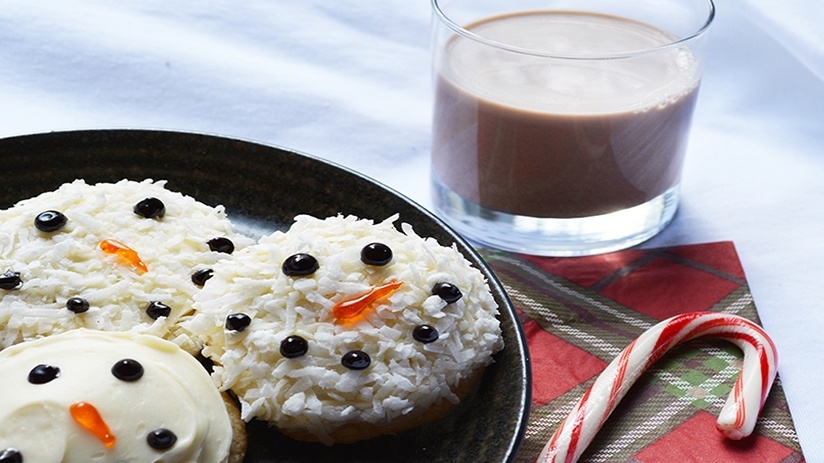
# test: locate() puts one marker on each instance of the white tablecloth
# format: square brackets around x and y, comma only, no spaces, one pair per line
[348,80]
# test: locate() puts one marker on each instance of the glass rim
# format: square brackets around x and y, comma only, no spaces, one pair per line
[460,30]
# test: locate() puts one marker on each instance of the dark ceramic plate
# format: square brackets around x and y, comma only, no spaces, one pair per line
[263,188]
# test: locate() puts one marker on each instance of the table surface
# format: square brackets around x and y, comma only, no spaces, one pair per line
[349,81]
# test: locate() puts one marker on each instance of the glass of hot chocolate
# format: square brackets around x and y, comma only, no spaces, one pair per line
[560,126]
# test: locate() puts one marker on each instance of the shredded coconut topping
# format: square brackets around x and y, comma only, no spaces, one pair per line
[315,392]
[59,265]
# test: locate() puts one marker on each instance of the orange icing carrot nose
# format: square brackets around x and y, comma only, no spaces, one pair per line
[120,249]
[348,309]
[89,419]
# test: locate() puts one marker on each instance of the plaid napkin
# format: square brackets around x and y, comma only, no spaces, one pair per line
[579,313]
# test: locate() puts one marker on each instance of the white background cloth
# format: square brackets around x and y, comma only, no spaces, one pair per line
[349,81]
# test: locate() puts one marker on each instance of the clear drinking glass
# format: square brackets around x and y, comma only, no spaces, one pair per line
[560,127]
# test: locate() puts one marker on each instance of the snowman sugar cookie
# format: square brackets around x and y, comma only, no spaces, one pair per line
[91,396]
[342,329]
[110,256]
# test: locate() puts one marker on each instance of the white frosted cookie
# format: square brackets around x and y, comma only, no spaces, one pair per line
[111,256]
[89,395]
[342,329]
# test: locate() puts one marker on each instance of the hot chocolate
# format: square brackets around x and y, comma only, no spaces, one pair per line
[566,137]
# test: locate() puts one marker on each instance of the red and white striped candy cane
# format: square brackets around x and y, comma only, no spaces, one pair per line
[738,416]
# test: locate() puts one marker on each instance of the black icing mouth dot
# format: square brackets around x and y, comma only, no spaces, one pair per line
[221,244]
[299,265]
[238,322]
[199,278]
[77,305]
[293,347]
[11,456]
[447,291]
[150,208]
[356,360]
[377,254]
[10,280]
[425,334]
[157,309]
[161,439]
[49,221]
[42,374]
[128,370]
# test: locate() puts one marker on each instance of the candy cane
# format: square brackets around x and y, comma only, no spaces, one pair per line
[738,416]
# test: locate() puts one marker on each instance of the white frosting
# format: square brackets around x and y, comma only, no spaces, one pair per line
[314,392]
[66,263]
[174,393]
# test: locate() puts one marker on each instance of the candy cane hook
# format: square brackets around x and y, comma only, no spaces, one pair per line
[739,414]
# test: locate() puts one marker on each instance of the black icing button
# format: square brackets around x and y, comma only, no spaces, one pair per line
[150,208]
[200,277]
[49,221]
[447,291]
[77,305]
[157,309]
[42,374]
[425,334]
[221,244]
[377,254]
[10,280]
[238,322]
[11,455]
[128,370]
[161,439]
[356,360]
[301,264]
[294,346]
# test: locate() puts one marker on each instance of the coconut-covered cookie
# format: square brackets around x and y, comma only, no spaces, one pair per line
[341,329]
[111,256]
[92,396]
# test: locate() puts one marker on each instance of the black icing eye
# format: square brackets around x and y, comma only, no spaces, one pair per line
[356,360]
[158,309]
[238,322]
[77,305]
[425,334]
[128,370]
[150,208]
[447,291]
[199,278]
[49,221]
[221,244]
[42,374]
[376,254]
[299,265]
[11,456]
[10,280]
[161,439]
[294,346]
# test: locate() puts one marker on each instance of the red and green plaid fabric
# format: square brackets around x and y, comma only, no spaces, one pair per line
[579,313]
